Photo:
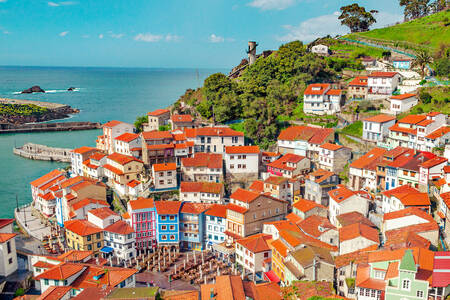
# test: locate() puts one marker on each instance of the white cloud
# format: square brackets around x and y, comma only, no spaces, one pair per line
[172,38]
[116,35]
[148,37]
[61,3]
[100,36]
[64,33]
[272,4]
[216,39]
[385,18]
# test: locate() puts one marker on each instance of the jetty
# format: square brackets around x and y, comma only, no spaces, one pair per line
[49,105]
[42,152]
[39,127]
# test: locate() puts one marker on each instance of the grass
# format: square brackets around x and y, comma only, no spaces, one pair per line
[354,129]
[238,127]
[427,32]
[355,50]
[440,101]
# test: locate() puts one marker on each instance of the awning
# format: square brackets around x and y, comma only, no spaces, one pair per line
[106,249]
[272,276]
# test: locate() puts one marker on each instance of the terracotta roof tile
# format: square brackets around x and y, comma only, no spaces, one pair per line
[158,112]
[181,118]
[87,201]
[257,186]
[331,147]
[127,137]
[402,239]
[282,162]
[280,247]
[334,92]
[217,210]
[237,208]
[306,205]
[403,96]
[353,231]
[210,160]
[359,81]
[412,119]
[380,118]
[4,237]
[211,131]
[352,218]
[194,208]
[164,167]
[341,193]
[122,159]
[383,74]
[255,243]
[409,196]
[367,160]
[102,212]
[241,149]
[167,207]
[438,133]
[201,187]
[47,177]
[83,150]
[294,218]
[81,227]
[316,89]
[75,255]
[55,293]
[313,135]
[120,227]
[61,272]
[112,124]
[316,225]
[244,195]
[356,257]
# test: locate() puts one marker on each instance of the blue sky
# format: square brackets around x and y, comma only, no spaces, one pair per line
[163,33]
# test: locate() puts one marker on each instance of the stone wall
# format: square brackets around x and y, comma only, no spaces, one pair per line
[36,127]
[42,152]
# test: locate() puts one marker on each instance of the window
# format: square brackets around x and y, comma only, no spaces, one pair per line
[10,260]
[419,294]
[8,245]
[231,166]
[372,293]
[163,227]
[367,292]
[172,237]
[89,247]
[89,238]
[172,227]
[405,284]
[171,218]
[45,281]
[163,218]
[98,235]
[164,237]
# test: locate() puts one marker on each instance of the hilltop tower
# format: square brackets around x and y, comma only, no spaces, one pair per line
[251,52]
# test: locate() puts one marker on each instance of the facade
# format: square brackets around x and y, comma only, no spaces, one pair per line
[214,139]
[383,83]
[320,49]
[121,169]
[363,171]
[83,235]
[78,156]
[376,128]
[242,161]
[357,88]
[8,254]
[252,251]
[93,166]
[111,130]
[201,192]
[405,196]
[164,176]
[317,185]
[215,224]
[127,143]
[402,103]
[192,225]
[401,63]
[181,121]
[142,218]
[307,208]
[157,118]
[344,200]
[278,187]
[205,167]
[357,237]
[43,198]
[168,222]
[289,166]
[334,157]
[121,238]
[321,99]
[157,147]
[320,228]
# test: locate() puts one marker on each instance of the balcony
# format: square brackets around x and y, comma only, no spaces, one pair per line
[189,230]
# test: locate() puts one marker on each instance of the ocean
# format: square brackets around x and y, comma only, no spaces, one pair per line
[102,94]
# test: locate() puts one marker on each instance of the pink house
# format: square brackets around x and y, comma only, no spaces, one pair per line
[142,217]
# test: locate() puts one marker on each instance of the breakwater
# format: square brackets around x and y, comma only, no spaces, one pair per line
[42,152]
[39,127]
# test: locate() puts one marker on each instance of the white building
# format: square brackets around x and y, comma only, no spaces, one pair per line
[102,217]
[362,171]
[343,200]
[214,139]
[164,176]
[201,192]
[402,103]
[215,222]
[356,237]
[242,160]
[384,83]
[252,251]
[320,49]
[78,156]
[202,167]
[334,157]
[93,166]
[111,130]
[321,99]
[376,128]
[8,254]
[122,239]
[404,196]
[126,143]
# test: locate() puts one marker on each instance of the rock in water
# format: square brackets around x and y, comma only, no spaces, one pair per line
[33,89]
[71,89]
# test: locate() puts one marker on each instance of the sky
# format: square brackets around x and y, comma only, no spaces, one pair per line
[164,33]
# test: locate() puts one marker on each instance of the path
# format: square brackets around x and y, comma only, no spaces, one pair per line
[31,224]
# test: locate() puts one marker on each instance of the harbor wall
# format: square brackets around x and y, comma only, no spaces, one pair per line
[39,127]
[42,152]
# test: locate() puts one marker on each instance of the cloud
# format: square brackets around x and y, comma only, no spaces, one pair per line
[216,39]
[85,36]
[313,28]
[100,36]
[153,38]
[62,3]
[116,35]
[64,33]
[172,38]
[386,18]
[272,4]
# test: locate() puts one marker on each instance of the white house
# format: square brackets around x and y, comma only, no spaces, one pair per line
[357,237]
[343,200]
[111,130]
[202,167]
[121,238]
[431,169]
[125,143]
[363,170]
[8,254]
[252,251]
[384,83]
[214,139]
[320,49]
[164,176]
[376,128]
[78,156]
[102,217]
[215,222]
[333,157]
[404,196]
[402,103]
[320,98]
[242,160]
[201,192]
[93,166]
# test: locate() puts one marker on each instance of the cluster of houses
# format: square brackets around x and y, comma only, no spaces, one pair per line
[291,216]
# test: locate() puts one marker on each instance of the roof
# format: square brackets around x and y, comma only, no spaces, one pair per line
[313,135]
[113,169]
[241,149]
[201,187]
[4,237]
[87,201]
[316,89]
[210,160]
[331,147]
[164,167]
[334,92]
[71,181]
[227,287]
[298,237]
[102,212]
[167,207]
[181,118]
[341,193]
[97,155]
[120,227]
[112,124]
[122,159]
[217,210]
[158,112]
[320,175]
[352,218]
[133,183]
[43,265]
[380,118]
[417,228]
[55,292]
[281,248]
[433,162]
[237,208]
[194,208]
[212,131]
[402,239]
[438,133]
[271,154]
[368,160]
[282,162]
[441,269]
[409,196]
[5,222]
[96,276]
[316,225]
[353,231]
[244,195]
[255,243]
[83,150]
[356,257]
[403,96]
[47,177]
[75,255]
[306,205]
[276,180]
[81,227]
[180,295]
[306,255]
[127,137]
[359,81]
[257,186]
[156,135]
[140,293]
[62,271]
[293,218]
[398,128]
[383,74]
[412,119]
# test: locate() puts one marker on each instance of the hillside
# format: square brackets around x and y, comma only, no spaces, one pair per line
[428,32]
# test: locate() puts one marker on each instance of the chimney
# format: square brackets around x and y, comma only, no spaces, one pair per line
[251,52]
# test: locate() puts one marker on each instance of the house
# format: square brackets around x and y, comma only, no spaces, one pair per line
[242,161]
[362,171]
[402,103]
[102,217]
[278,187]
[358,88]
[164,176]
[430,170]
[320,49]
[401,63]
[252,251]
[289,166]
[8,254]
[127,144]
[346,266]
[321,99]
[192,225]
[83,235]
[214,139]
[307,208]
[357,237]
[121,169]
[343,200]
[369,62]
[181,121]
[215,224]
[80,209]
[405,196]
[168,221]
[78,156]
[383,83]
[156,119]
[274,228]
[376,128]
[405,273]
[93,166]
[438,138]
[43,198]
[334,157]
[320,228]
[248,211]
[111,130]
[201,192]
[202,167]
[120,237]
[268,157]
[142,218]
[157,147]
[351,218]
[304,140]
[317,185]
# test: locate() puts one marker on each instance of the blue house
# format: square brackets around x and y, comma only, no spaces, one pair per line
[192,225]
[401,63]
[168,223]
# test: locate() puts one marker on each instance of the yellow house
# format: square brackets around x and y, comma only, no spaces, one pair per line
[279,253]
[83,235]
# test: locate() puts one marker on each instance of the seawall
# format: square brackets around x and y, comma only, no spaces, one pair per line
[42,152]
[37,127]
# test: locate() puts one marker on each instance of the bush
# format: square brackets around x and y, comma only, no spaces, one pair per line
[19,292]
[422,82]
[442,66]
[425,97]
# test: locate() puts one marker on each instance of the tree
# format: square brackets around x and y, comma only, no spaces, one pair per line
[357,18]
[386,54]
[423,58]
[140,122]
[415,8]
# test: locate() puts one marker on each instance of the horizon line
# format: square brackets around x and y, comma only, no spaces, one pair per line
[111,67]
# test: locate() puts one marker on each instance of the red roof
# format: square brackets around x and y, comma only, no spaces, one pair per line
[282,162]
[403,96]
[167,207]
[334,92]
[81,227]
[141,203]
[380,118]
[244,195]
[341,193]
[316,89]
[256,243]
[331,147]
[409,196]
[433,162]
[241,149]
[102,276]
[83,150]
[4,237]
[201,187]
[87,201]
[47,177]
[352,218]
[304,205]
[409,211]
[120,227]
[438,133]
[210,160]
[122,159]
[211,131]
[158,112]
[181,118]
[257,186]
[133,183]
[112,124]
[359,81]
[62,271]
[368,160]
[55,293]
[398,128]
[127,137]
[194,208]
[164,167]
[217,210]
[316,225]
[113,169]
[412,119]
[353,231]
[103,212]
[313,135]
[156,135]
[5,222]
[237,208]
[383,74]
[75,255]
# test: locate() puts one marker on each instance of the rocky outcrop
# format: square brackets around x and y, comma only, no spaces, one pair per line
[57,114]
[71,89]
[33,89]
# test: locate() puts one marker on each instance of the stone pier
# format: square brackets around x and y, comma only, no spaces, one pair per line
[42,152]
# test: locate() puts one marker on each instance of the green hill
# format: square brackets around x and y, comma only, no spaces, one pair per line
[428,32]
